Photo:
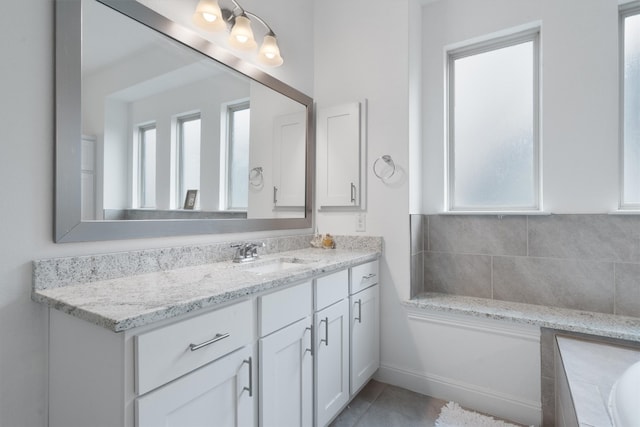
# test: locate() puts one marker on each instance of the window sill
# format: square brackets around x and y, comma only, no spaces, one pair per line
[499,213]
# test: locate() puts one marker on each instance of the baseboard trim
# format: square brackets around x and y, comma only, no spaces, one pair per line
[468,395]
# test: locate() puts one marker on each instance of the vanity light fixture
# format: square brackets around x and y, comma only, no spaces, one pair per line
[209,16]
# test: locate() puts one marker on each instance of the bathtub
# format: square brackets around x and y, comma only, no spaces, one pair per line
[599,384]
[624,400]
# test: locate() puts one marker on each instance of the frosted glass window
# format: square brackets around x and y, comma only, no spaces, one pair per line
[189,164]
[147,166]
[493,148]
[631,107]
[238,116]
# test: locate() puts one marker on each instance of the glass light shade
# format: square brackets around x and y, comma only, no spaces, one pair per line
[269,53]
[208,16]
[241,34]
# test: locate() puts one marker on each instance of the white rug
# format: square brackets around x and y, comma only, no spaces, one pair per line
[452,415]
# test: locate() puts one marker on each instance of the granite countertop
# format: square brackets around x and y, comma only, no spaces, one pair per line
[128,302]
[587,322]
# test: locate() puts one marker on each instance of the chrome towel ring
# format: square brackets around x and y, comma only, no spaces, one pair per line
[386,169]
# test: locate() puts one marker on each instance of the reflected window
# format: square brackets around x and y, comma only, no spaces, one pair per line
[147,166]
[188,157]
[238,120]
[630,22]
[493,125]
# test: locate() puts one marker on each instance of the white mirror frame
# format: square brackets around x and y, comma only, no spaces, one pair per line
[68,225]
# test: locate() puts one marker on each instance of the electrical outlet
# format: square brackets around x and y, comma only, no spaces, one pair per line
[361,221]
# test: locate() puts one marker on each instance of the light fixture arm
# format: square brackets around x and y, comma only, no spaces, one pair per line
[243,11]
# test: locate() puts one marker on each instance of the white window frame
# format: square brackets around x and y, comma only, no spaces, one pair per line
[182,192]
[625,11]
[141,165]
[225,169]
[529,35]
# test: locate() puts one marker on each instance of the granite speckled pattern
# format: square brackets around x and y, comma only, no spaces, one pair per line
[132,300]
[50,273]
[607,325]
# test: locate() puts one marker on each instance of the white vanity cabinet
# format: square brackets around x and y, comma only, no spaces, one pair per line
[293,356]
[341,136]
[331,323]
[220,394]
[196,371]
[286,358]
[365,324]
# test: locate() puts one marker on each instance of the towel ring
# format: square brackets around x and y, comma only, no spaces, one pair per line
[386,169]
[256,178]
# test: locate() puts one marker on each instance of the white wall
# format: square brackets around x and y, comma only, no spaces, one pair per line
[26,195]
[579,50]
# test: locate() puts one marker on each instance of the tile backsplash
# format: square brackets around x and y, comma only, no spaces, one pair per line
[579,261]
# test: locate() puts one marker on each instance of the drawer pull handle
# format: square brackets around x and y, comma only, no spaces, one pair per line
[369,276]
[353,193]
[310,350]
[218,337]
[250,388]
[359,318]
[326,332]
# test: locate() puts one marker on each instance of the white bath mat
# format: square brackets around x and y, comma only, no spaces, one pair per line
[452,415]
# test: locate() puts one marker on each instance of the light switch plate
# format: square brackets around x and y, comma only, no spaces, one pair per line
[361,221]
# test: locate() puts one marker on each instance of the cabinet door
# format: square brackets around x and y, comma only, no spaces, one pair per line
[332,360]
[338,155]
[219,394]
[289,145]
[365,336]
[286,375]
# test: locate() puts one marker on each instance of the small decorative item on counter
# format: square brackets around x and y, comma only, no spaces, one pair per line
[316,242]
[323,241]
[328,242]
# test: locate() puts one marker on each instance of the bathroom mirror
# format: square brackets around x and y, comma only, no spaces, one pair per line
[147,111]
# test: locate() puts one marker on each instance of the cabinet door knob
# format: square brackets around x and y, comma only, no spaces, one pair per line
[218,337]
[275,195]
[353,193]
[250,388]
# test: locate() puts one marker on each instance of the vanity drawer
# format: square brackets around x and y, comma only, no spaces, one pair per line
[284,307]
[331,289]
[171,351]
[363,276]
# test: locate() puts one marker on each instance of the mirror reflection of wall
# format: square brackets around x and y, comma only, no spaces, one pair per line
[167,119]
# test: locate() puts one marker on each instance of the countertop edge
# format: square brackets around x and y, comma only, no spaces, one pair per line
[600,324]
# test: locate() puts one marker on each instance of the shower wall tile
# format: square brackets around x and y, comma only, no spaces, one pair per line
[417,233]
[573,284]
[457,274]
[479,234]
[628,289]
[593,237]
[417,274]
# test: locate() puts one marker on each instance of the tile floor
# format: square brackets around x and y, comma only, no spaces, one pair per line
[383,405]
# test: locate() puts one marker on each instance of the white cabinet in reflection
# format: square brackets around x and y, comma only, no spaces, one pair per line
[341,140]
[289,160]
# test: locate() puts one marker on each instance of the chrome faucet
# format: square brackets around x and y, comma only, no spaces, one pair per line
[246,252]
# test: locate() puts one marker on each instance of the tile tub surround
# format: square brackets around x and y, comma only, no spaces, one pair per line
[587,262]
[125,290]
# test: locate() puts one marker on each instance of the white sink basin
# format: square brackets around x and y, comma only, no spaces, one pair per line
[276,265]
[624,401]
